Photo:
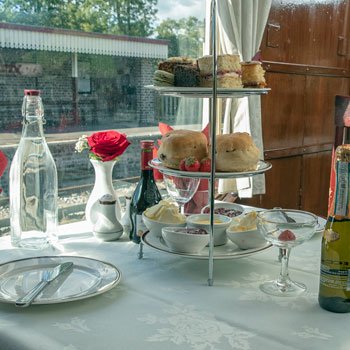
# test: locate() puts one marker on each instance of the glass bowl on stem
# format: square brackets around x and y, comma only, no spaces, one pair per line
[181,189]
[285,234]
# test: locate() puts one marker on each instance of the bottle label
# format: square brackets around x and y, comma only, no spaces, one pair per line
[140,228]
[335,275]
[342,190]
[146,156]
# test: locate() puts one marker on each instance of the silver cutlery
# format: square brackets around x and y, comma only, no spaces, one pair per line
[47,277]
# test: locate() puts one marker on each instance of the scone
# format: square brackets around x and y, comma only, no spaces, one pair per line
[236,152]
[176,145]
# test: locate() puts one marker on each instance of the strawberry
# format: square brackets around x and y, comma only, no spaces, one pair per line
[182,165]
[192,164]
[205,165]
[287,235]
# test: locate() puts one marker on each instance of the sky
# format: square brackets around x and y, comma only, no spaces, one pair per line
[176,9]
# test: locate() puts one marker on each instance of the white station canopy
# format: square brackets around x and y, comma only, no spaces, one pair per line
[15,36]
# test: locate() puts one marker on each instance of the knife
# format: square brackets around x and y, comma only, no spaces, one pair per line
[47,277]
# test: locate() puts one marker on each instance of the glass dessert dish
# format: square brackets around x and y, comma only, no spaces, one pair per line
[181,189]
[285,234]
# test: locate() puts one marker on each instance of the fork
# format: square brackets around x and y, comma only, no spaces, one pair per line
[47,277]
[33,293]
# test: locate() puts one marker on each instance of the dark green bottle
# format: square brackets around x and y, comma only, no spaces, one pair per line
[146,193]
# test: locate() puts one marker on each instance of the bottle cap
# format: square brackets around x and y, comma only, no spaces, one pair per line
[147,143]
[31,92]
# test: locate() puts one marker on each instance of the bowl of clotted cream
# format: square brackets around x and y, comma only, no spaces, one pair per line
[244,232]
[164,214]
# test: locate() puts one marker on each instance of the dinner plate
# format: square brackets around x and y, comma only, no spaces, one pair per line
[206,91]
[227,251]
[261,168]
[88,278]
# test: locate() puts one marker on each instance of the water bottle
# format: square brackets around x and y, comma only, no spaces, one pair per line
[33,181]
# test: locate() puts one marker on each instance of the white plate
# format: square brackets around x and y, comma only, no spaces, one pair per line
[88,278]
[227,251]
[261,168]
[206,91]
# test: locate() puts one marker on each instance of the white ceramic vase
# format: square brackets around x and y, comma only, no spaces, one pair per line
[103,185]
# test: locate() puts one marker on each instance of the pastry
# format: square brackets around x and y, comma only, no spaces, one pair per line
[163,78]
[253,74]
[169,64]
[228,71]
[225,63]
[176,145]
[186,75]
[236,152]
[226,80]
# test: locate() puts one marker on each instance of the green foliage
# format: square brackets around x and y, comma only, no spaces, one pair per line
[124,17]
[185,36]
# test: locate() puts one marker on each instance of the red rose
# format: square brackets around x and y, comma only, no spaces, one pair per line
[108,144]
[3,162]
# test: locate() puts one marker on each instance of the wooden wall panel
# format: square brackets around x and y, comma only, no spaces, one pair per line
[282,111]
[315,182]
[282,185]
[306,54]
[306,32]
[320,92]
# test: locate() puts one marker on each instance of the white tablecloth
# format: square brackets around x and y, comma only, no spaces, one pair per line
[163,302]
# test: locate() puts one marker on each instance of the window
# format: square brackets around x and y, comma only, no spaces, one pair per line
[92,72]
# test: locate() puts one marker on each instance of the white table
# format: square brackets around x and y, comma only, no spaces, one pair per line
[164,302]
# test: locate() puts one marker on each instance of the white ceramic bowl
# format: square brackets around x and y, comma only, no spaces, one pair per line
[221,223]
[246,239]
[237,209]
[155,226]
[184,242]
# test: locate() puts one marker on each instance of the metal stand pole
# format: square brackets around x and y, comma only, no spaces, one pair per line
[212,120]
[140,253]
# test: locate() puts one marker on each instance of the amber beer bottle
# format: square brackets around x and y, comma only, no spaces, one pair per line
[146,193]
[334,291]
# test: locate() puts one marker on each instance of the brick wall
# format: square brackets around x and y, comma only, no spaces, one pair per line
[117,97]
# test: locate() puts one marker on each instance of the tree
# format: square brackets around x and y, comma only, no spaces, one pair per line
[124,17]
[185,36]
